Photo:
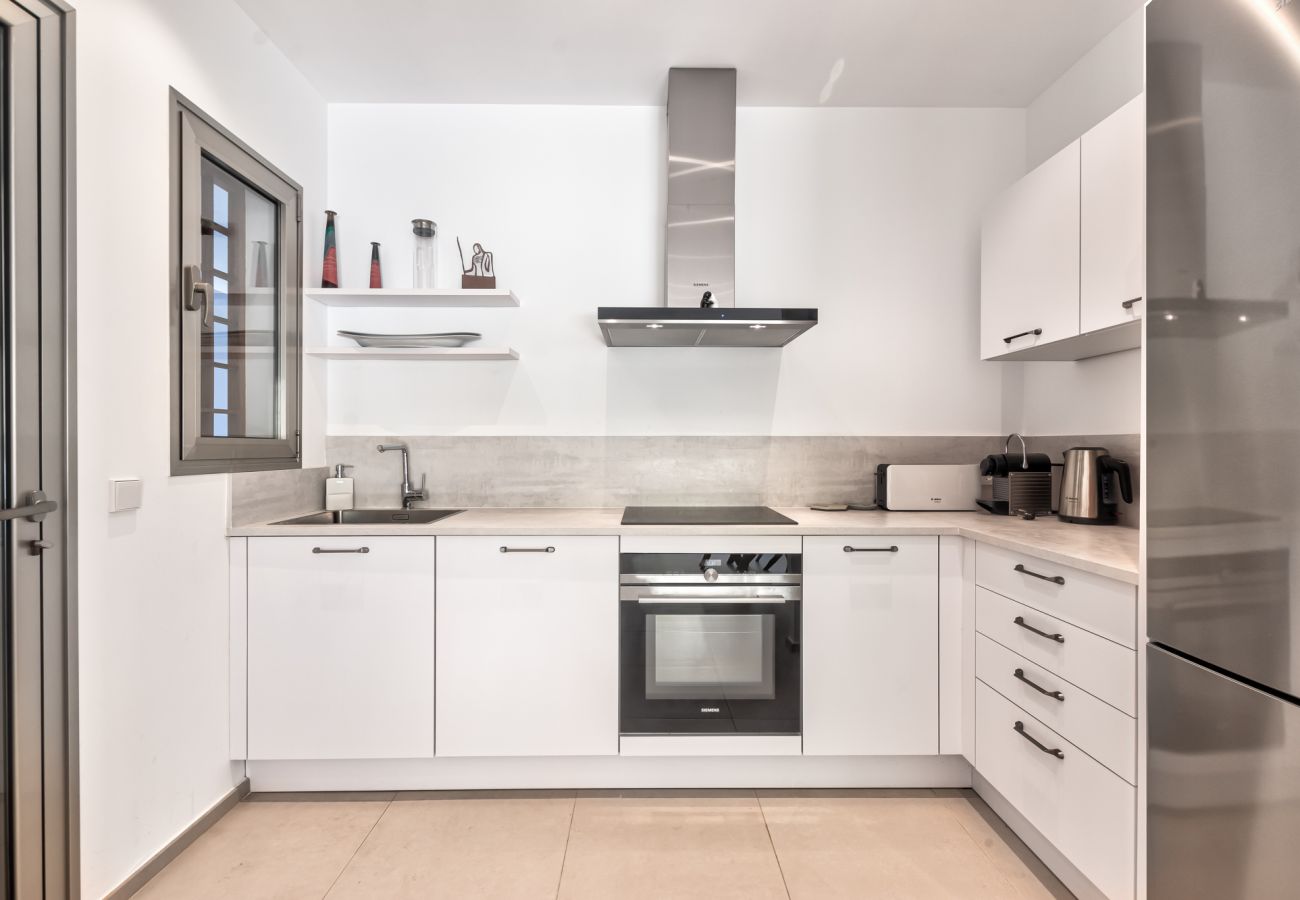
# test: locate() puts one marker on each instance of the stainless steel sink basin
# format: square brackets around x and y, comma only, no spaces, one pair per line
[373,517]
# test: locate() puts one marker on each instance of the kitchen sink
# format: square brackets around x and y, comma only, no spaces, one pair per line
[373,517]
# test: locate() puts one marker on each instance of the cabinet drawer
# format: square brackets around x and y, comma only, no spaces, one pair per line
[1083,808]
[870,646]
[1102,668]
[1099,729]
[1101,605]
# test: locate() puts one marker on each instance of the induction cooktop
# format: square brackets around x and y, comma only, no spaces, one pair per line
[704,515]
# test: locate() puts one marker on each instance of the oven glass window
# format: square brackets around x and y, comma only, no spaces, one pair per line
[710,656]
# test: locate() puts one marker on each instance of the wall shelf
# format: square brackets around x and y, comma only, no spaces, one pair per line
[440,354]
[400,298]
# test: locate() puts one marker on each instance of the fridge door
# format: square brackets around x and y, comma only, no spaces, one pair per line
[1223,786]
[1223,334]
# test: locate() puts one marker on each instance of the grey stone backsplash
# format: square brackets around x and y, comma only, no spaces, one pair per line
[620,471]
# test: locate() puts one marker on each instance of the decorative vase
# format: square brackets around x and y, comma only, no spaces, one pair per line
[329,274]
[261,266]
[376,277]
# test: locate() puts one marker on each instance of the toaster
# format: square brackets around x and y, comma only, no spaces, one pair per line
[923,487]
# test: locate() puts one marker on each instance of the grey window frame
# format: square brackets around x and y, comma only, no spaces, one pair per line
[193,135]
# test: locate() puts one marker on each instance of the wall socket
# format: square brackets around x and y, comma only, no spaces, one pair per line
[125,494]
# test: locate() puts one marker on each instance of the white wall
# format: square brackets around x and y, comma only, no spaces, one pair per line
[153,583]
[871,215]
[1101,395]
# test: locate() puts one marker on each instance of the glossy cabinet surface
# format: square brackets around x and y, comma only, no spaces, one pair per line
[340,647]
[527,648]
[871,646]
[1112,237]
[1030,260]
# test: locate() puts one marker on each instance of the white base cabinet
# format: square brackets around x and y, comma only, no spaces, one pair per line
[340,647]
[871,646]
[527,647]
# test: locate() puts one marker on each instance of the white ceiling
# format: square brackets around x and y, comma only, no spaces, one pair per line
[888,52]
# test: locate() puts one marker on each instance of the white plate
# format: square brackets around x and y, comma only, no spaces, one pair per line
[442,339]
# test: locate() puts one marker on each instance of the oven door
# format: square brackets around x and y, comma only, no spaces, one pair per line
[709,660]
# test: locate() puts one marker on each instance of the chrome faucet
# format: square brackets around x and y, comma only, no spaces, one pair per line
[410,493]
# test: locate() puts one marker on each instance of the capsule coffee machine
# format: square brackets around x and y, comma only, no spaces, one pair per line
[1016,484]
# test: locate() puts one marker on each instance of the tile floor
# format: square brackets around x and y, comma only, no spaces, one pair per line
[793,844]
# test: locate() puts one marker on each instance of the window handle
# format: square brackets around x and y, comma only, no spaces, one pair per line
[198,295]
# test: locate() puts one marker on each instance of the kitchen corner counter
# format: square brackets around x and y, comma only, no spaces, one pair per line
[1110,551]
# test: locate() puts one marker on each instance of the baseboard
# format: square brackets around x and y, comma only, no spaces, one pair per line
[156,863]
[1077,883]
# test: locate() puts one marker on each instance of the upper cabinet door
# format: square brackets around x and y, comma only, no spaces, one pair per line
[1112,217]
[1029,278]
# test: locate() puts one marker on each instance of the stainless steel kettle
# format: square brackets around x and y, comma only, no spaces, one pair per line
[1087,488]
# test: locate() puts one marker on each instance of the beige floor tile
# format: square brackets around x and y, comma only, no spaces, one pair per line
[909,848]
[268,851]
[499,848]
[1027,875]
[670,847]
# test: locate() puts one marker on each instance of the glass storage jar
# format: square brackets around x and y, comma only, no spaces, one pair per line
[424,253]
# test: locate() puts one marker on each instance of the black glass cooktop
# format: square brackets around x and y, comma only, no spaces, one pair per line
[704,515]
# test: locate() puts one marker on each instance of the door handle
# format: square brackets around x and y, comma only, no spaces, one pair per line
[1050,751]
[1035,332]
[527,549]
[35,509]
[1054,579]
[198,295]
[1128,304]
[343,550]
[1020,620]
[1020,674]
[890,549]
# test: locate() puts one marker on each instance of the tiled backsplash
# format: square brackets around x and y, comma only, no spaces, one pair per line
[620,471]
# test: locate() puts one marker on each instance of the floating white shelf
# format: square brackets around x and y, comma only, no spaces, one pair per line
[441,354]
[399,298]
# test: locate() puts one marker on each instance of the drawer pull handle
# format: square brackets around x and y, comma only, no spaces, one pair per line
[1020,620]
[341,550]
[1128,304]
[1035,332]
[1020,673]
[890,549]
[527,549]
[1050,751]
[1054,579]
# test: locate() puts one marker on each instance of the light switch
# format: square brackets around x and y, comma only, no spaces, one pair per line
[127,493]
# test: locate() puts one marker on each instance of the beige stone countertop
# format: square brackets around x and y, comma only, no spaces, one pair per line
[1109,551]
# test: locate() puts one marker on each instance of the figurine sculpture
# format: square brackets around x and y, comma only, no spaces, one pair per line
[480,272]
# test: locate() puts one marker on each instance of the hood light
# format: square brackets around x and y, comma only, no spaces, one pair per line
[758,327]
[654,325]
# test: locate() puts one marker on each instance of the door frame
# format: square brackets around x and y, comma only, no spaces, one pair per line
[40,122]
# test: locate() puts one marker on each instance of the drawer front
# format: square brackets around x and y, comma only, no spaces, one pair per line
[1102,668]
[1100,605]
[1099,729]
[1083,808]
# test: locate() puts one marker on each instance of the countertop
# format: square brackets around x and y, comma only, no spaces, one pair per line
[1111,551]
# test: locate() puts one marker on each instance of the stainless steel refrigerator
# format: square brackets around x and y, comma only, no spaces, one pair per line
[1223,458]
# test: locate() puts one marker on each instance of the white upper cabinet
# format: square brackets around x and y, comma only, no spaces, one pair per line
[340,647]
[527,646]
[1113,210]
[1029,278]
[871,646]
[1062,250]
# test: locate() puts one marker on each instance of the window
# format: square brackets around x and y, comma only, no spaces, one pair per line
[237,305]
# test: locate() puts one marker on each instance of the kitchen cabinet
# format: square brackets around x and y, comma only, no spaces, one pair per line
[1112,237]
[1029,276]
[527,646]
[340,647]
[871,645]
[1062,250]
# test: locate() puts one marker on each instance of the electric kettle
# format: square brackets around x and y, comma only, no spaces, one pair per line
[1087,488]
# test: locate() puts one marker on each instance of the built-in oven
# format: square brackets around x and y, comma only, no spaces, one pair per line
[709,643]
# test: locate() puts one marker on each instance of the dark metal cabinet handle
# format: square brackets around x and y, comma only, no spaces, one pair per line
[527,549]
[332,550]
[1050,751]
[1020,620]
[1020,673]
[1128,304]
[1054,579]
[1035,332]
[889,549]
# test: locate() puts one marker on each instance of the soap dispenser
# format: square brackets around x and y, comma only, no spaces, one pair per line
[338,490]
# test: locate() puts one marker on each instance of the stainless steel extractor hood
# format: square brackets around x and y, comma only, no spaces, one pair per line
[700,240]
